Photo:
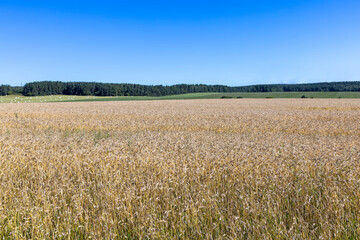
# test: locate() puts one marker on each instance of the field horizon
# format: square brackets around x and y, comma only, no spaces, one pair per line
[208,95]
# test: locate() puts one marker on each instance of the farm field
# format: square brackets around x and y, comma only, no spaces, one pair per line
[208,95]
[194,169]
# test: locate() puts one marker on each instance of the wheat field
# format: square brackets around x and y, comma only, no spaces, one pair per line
[184,169]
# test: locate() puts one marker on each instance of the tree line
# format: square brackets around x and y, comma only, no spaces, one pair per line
[8,90]
[113,89]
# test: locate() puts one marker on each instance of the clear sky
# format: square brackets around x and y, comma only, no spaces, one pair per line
[180,41]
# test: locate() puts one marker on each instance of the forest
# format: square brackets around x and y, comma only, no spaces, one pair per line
[44,88]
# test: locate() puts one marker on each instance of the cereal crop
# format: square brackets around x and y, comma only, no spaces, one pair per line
[181,169]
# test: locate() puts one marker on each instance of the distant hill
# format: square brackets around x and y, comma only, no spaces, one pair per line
[124,89]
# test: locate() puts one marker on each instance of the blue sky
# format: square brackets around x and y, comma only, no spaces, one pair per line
[169,42]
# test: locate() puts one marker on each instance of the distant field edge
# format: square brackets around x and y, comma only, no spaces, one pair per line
[208,95]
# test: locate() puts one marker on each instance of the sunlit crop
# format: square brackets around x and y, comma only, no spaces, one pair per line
[192,169]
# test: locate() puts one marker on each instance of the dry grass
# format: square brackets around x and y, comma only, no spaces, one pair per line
[204,169]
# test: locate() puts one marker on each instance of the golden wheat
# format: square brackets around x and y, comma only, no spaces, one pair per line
[193,169]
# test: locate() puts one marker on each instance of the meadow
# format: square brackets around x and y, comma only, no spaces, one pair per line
[207,95]
[184,169]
